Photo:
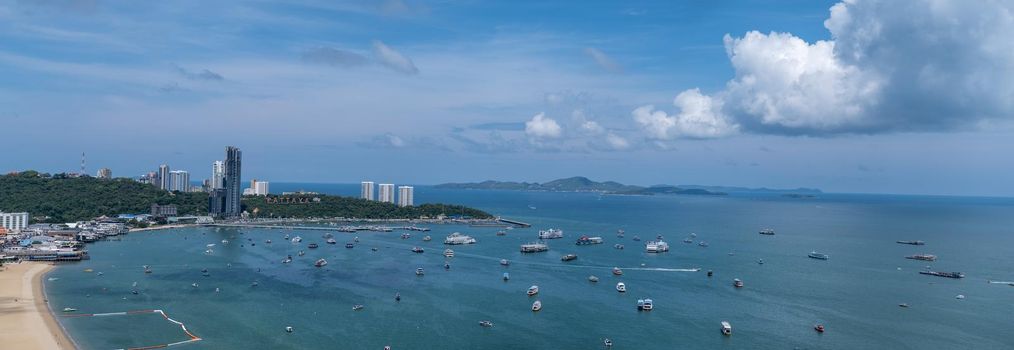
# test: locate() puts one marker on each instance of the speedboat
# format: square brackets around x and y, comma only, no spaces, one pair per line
[331,241]
[593,279]
[350,245]
[288,329]
[618,246]
[320,262]
[819,328]
[427,239]
[617,271]
[569,257]
[357,307]
[533,290]
[297,239]
[301,253]
[69,309]
[702,244]
[726,328]
[620,287]
[405,236]
[506,276]
[537,305]
[448,253]
[487,324]
[644,304]
[419,271]
[505,262]
[417,250]
[818,256]
[737,283]
[608,343]
[312,246]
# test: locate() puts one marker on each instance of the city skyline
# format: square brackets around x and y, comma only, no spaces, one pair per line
[784,95]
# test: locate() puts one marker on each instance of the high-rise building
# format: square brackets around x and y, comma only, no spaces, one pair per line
[216,202]
[386,193]
[163,177]
[405,196]
[179,180]
[13,221]
[217,174]
[261,189]
[104,173]
[233,192]
[367,191]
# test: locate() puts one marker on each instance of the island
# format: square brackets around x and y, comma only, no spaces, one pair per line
[581,184]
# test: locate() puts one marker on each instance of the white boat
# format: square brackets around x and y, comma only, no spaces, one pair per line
[656,246]
[448,253]
[69,309]
[506,276]
[320,262]
[593,279]
[297,239]
[644,304]
[537,305]
[533,290]
[620,287]
[702,243]
[357,307]
[737,283]
[534,247]
[550,234]
[427,239]
[505,262]
[726,328]
[458,238]
[419,272]
[617,271]
[288,329]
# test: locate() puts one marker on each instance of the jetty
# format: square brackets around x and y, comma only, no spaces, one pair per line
[513,222]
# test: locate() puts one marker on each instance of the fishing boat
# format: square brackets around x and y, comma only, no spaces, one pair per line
[320,262]
[924,257]
[726,328]
[537,305]
[550,234]
[505,262]
[943,274]
[568,257]
[767,232]
[487,324]
[737,283]
[593,279]
[357,307]
[819,328]
[457,238]
[448,253]
[417,250]
[419,272]
[533,290]
[506,276]
[331,241]
[617,271]
[620,287]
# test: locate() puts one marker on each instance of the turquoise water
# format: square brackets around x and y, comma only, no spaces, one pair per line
[854,294]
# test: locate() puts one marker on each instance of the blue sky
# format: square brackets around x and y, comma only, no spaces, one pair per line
[858,96]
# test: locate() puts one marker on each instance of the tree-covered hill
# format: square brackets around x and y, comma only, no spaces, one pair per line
[348,207]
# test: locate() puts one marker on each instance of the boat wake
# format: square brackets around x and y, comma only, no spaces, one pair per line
[1000,282]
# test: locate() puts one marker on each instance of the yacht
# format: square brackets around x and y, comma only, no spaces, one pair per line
[457,239]
[593,279]
[448,253]
[312,246]
[767,232]
[726,328]
[427,239]
[296,239]
[320,262]
[620,287]
[656,247]
[568,257]
[419,271]
[550,234]
[331,241]
[533,290]
[737,283]
[537,305]
[617,271]
[505,262]
[818,256]
[417,250]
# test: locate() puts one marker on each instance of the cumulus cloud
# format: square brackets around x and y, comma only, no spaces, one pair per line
[603,60]
[890,66]
[617,142]
[699,117]
[541,127]
[334,57]
[393,59]
[587,127]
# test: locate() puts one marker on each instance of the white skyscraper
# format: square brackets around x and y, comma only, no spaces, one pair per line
[179,180]
[218,174]
[386,193]
[163,177]
[13,221]
[261,188]
[405,196]
[367,191]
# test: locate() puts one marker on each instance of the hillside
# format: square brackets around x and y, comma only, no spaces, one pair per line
[579,184]
[349,207]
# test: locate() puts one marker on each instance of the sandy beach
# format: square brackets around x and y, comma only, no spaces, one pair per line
[27,322]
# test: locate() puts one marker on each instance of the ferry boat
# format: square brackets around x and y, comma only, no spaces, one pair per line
[537,305]
[533,290]
[943,274]
[457,239]
[737,283]
[912,242]
[405,236]
[448,253]
[617,271]
[818,256]
[620,287]
[726,328]
[331,241]
[320,262]
[350,245]
[534,248]
[585,240]
[417,250]
[656,247]
[568,257]
[312,246]
[924,257]
[427,238]
[618,246]
[644,304]
[593,279]
[505,262]
[550,234]
[506,276]
[767,232]
[419,271]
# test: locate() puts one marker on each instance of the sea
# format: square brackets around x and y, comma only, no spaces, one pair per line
[855,294]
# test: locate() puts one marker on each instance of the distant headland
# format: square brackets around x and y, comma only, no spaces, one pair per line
[583,184]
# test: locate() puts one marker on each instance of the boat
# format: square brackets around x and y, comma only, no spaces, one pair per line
[726,328]
[301,253]
[501,233]
[312,246]
[505,262]
[737,283]
[287,259]
[617,246]
[417,250]
[637,239]
[350,245]
[903,305]
[608,343]
[427,239]
[195,285]
[487,324]
[534,247]
[254,284]
[760,261]
[620,287]
[147,269]
[912,242]
[458,238]
[818,256]
[355,239]
[419,272]
[819,328]
[69,309]
[267,241]
[397,296]
[959,296]
[357,307]
[506,276]
[924,257]
[656,247]
[585,240]
[288,329]
[644,304]
[405,236]
[297,239]
[593,279]
[537,305]
[619,233]
[286,237]
[711,273]
[331,241]
[702,244]
[568,257]
[767,232]
[533,290]
[448,253]
[943,274]
[447,266]
[550,234]
[617,271]
[320,262]
[688,240]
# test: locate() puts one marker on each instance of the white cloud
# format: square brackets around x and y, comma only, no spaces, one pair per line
[393,59]
[587,127]
[603,60]
[617,142]
[542,127]
[699,117]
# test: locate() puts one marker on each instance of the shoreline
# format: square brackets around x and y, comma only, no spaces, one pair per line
[29,322]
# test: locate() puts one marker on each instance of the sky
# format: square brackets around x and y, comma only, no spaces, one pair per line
[867,96]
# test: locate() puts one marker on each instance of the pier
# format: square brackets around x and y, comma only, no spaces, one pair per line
[513,222]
